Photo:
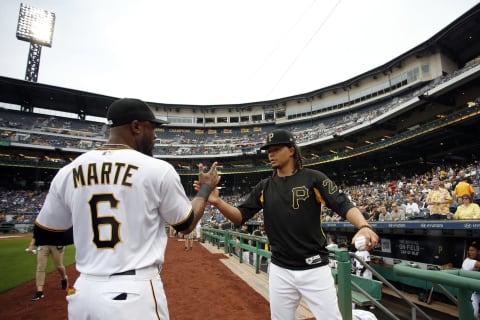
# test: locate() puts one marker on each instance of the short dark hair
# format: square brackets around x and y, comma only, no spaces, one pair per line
[475,244]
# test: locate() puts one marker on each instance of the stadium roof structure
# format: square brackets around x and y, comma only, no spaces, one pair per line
[459,40]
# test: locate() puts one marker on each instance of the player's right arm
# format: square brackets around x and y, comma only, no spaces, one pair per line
[230,212]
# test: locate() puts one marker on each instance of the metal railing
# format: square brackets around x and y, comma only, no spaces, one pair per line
[465,281]
[228,239]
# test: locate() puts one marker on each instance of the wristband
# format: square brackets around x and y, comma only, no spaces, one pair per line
[365,226]
[204,191]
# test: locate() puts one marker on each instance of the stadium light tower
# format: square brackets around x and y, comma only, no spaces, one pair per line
[35,26]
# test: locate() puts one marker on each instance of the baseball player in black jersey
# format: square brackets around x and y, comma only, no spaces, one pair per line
[291,200]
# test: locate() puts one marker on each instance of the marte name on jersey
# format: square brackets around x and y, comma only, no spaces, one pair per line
[103,173]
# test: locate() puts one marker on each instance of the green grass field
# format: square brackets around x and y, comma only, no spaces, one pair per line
[18,267]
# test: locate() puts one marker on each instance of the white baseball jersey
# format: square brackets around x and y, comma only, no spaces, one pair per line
[364,255]
[469,264]
[118,201]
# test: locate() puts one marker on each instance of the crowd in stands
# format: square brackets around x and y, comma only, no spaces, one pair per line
[399,200]
[20,206]
[378,201]
[34,129]
[405,199]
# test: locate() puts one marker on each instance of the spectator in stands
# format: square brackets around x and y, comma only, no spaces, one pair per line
[388,215]
[472,263]
[463,187]
[397,213]
[439,200]
[411,208]
[468,210]
[219,217]
[383,214]
[462,176]
[374,215]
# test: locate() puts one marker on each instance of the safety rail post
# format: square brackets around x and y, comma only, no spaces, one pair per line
[257,255]
[344,283]
[206,234]
[215,236]
[226,242]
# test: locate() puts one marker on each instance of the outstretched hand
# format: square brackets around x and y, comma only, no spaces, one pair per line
[211,177]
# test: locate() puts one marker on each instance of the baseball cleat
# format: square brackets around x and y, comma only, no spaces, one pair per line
[64,283]
[38,295]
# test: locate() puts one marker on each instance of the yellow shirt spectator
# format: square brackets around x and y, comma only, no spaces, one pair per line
[439,200]
[462,188]
[467,210]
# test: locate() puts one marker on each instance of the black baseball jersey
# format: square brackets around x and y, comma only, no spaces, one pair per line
[292,216]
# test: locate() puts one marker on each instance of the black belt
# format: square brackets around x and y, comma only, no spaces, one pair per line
[125,273]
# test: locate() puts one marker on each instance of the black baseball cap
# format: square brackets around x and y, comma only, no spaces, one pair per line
[277,137]
[125,110]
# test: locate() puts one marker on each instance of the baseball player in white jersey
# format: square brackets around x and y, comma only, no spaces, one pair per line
[360,269]
[472,263]
[118,198]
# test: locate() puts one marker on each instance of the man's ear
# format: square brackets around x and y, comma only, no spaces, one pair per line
[135,127]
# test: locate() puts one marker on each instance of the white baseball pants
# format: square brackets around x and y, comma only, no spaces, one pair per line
[316,286]
[119,297]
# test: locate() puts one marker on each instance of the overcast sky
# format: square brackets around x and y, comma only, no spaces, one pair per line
[219,51]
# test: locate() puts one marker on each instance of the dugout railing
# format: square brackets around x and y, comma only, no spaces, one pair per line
[350,287]
[236,241]
[465,281]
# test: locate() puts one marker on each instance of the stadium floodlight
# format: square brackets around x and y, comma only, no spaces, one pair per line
[35,26]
